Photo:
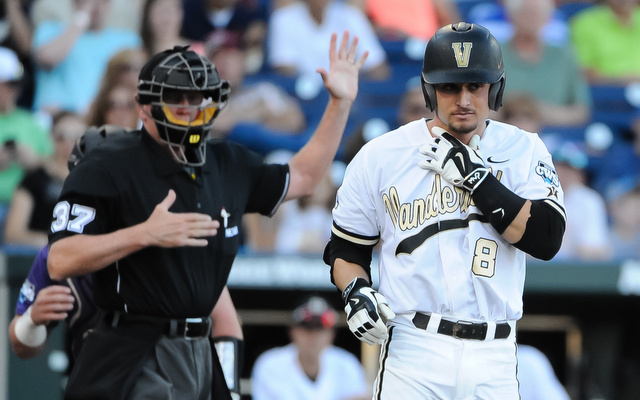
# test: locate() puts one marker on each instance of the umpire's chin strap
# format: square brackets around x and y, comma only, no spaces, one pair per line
[230,353]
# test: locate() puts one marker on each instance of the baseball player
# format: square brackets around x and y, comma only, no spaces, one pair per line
[456,203]
[43,303]
[156,218]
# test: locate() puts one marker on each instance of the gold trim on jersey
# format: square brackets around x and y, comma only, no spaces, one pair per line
[353,239]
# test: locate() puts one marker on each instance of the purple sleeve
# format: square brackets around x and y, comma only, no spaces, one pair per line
[37,280]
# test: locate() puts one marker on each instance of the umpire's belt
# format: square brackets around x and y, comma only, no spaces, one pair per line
[188,328]
[462,329]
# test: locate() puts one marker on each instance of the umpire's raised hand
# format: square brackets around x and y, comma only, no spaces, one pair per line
[342,78]
[367,312]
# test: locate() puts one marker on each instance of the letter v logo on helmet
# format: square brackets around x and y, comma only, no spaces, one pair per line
[462,52]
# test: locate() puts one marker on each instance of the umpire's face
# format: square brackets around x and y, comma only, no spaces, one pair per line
[144,113]
[463,108]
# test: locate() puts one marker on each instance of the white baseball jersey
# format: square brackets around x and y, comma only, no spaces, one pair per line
[438,252]
[277,375]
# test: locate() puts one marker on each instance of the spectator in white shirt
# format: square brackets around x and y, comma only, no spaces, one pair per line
[587,233]
[298,32]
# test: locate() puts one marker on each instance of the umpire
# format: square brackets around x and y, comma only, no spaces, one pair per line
[155,217]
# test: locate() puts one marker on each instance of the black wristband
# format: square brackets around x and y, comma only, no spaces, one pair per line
[475,179]
[497,202]
[354,285]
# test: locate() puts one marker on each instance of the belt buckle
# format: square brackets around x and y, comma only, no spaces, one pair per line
[458,325]
[190,321]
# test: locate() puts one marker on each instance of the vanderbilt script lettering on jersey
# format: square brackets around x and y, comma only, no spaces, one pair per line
[441,200]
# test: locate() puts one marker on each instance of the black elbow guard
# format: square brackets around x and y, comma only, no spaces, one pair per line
[351,252]
[543,235]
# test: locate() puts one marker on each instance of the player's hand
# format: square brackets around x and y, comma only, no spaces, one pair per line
[167,229]
[459,164]
[52,303]
[342,79]
[367,312]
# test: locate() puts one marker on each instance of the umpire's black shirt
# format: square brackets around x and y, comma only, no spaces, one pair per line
[119,184]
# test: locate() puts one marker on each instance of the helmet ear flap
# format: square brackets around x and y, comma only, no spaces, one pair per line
[429,94]
[496,90]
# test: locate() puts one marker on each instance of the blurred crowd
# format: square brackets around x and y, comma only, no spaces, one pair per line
[572,73]
[572,77]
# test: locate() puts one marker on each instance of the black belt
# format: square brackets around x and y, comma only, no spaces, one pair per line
[463,329]
[188,328]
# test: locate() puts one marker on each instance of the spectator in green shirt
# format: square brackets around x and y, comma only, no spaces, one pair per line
[24,141]
[548,73]
[607,39]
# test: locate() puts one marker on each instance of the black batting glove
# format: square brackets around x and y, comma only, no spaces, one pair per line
[367,312]
[459,164]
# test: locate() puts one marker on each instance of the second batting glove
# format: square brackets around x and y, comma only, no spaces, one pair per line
[459,164]
[367,312]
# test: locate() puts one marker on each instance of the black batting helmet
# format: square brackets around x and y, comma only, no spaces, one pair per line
[460,53]
[182,70]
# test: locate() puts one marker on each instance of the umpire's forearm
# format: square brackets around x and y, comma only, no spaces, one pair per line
[82,254]
[309,164]
[225,317]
